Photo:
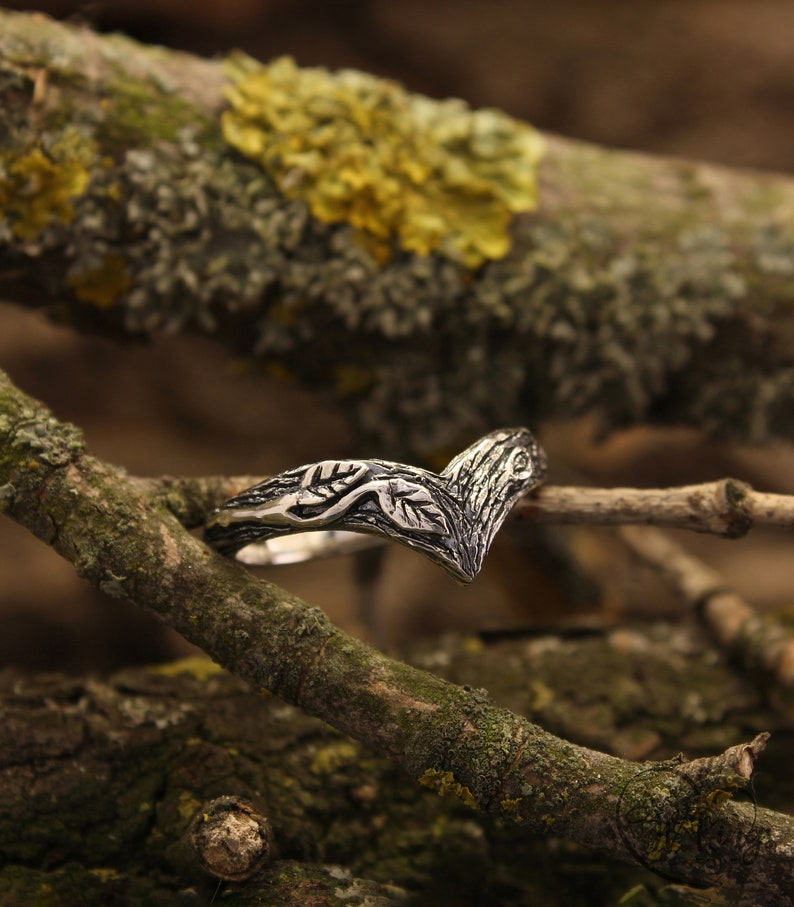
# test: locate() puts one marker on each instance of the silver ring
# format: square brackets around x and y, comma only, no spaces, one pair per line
[450,517]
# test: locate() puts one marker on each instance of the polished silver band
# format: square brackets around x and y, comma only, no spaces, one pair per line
[450,517]
[306,546]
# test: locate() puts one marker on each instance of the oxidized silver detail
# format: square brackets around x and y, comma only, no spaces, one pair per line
[449,517]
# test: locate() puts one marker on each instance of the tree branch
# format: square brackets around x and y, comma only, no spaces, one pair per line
[639,290]
[451,739]
[727,507]
[759,642]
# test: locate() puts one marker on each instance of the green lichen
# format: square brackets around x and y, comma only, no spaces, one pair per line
[428,175]
[611,327]
[54,443]
[138,111]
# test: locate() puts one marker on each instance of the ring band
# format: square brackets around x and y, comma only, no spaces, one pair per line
[450,517]
[306,546]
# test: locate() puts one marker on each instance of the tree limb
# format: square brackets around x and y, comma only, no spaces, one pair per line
[451,739]
[759,642]
[727,507]
[640,289]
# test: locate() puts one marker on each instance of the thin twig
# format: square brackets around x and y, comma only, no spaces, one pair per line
[755,639]
[727,507]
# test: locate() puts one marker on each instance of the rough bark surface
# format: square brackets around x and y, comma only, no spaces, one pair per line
[641,289]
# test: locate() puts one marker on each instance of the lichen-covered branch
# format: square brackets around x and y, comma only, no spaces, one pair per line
[451,739]
[422,265]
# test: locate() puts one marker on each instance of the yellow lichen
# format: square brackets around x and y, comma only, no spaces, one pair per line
[279,371]
[426,175]
[687,827]
[542,696]
[473,645]
[285,314]
[664,847]
[37,188]
[104,283]
[716,798]
[105,874]
[445,785]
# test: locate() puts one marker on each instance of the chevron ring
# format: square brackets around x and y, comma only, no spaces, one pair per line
[451,517]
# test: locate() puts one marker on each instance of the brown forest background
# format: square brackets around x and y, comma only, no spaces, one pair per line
[709,79]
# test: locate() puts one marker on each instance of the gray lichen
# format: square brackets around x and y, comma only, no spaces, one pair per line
[173,235]
[639,290]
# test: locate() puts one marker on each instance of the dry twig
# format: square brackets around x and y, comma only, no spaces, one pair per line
[727,507]
[758,641]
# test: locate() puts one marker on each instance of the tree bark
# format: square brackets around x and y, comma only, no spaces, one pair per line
[640,289]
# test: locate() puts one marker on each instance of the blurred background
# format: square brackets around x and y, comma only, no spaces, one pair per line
[709,79]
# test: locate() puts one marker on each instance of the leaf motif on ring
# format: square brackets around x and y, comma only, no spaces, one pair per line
[412,507]
[329,480]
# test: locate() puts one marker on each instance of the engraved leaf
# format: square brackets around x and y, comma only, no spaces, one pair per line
[324,482]
[412,507]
